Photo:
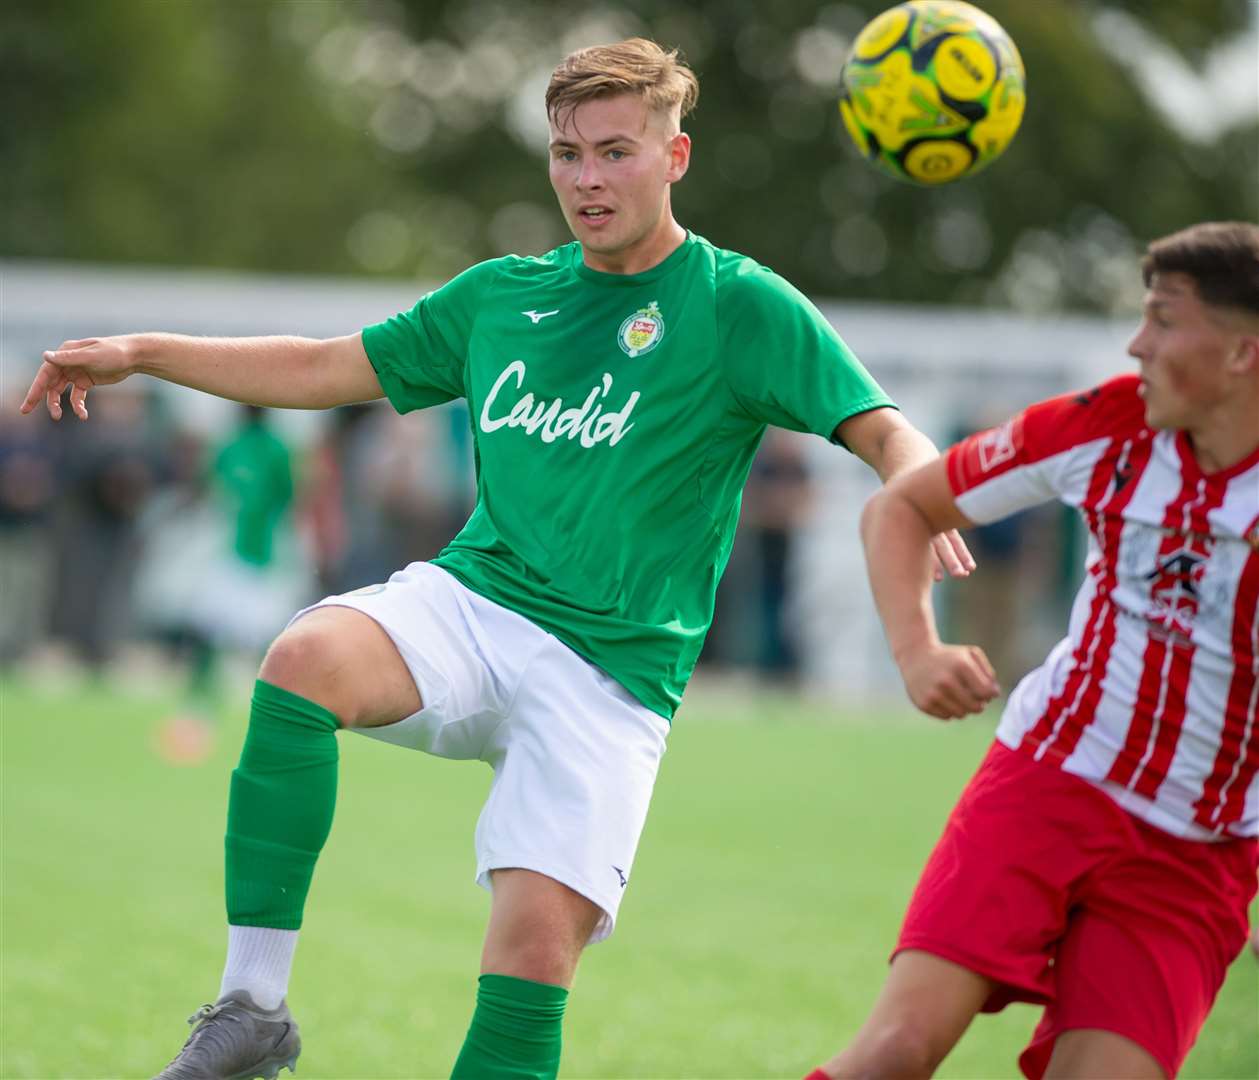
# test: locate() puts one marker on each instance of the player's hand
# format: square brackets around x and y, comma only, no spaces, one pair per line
[952,556]
[950,681]
[79,365]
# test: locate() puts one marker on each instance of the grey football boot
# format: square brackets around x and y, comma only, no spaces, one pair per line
[234,1039]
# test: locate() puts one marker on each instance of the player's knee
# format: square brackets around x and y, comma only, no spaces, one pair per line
[899,1047]
[304,660]
[544,960]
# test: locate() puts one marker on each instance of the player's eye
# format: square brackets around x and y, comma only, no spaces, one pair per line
[617,155]
[565,155]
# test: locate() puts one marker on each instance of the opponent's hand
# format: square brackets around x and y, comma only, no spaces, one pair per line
[79,365]
[950,681]
[952,556]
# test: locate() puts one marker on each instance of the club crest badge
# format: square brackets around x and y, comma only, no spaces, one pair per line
[642,331]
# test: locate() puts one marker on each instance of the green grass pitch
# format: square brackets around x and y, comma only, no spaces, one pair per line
[781,849]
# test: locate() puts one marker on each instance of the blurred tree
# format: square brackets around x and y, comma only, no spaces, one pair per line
[407,136]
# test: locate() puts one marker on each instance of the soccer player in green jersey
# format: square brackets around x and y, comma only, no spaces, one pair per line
[618,388]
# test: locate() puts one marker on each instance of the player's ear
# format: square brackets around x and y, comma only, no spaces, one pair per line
[679,157]
[1243,358]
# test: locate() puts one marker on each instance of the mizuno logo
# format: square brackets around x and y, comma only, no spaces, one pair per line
[538,316]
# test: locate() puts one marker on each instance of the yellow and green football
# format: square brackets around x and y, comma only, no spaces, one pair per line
[932,91]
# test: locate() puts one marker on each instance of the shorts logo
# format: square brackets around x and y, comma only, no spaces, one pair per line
[642,331]
[621,874]
[366,590]
[996,446]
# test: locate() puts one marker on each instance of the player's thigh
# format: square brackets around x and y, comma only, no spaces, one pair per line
[1095,1054]
[538,927]
[1145,953]
[574,768]
[925,1006]
[344,660]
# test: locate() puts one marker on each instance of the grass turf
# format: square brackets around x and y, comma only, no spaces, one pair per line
[782,846]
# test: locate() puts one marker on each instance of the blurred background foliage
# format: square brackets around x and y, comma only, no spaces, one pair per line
[407,138]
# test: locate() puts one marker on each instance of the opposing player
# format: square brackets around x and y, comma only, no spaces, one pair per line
[1101,861]
[618,388]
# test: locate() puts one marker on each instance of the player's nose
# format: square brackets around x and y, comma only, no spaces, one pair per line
[589,178]
[1137,346]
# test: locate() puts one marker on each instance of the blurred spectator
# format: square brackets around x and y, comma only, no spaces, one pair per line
[382,494]
[28,491]
[222,567]
[106,479]
[751,625]
[181,529]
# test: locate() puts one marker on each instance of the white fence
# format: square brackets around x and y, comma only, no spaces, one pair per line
[948,368]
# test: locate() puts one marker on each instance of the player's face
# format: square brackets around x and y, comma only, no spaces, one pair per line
[612,161]
[1182,346]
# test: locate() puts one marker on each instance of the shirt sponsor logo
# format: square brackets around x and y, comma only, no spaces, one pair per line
[996,446]
[642,331]
[590,422]
[1175,587]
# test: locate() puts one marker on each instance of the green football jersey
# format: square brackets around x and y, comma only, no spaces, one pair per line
[254,474]
[615,417]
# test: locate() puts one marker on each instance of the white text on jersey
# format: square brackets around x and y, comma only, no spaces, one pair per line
[550,420]
[537,316]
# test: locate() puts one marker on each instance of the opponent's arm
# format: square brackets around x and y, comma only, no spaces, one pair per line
[276,372]
[897,525]
[891,445]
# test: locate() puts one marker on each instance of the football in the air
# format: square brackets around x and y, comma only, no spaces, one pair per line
[932,91]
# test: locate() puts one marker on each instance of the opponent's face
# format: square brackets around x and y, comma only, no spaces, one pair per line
[1184,347]
[612,161]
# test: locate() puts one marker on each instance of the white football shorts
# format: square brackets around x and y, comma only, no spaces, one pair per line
[574,753]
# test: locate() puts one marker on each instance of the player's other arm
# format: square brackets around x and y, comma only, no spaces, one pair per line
[276,372]
[945,681]
[891,446]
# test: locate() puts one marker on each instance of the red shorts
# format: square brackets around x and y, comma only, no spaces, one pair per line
[1045,885]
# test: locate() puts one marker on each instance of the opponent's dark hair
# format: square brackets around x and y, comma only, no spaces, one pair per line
[634,66]
[1222,257]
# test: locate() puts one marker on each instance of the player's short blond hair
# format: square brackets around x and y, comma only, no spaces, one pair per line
[634,66]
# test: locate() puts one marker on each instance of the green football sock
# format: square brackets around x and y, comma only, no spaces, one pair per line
[515,1031]
[280,810]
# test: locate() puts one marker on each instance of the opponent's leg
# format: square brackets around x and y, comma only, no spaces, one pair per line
[923,1009]
[1093,1054]
[537,931]
[335,667]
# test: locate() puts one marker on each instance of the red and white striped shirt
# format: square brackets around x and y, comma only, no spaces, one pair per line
[1153,694]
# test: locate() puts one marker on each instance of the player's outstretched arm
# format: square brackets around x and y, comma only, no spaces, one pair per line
[891,445]
[276,372]
[944,681]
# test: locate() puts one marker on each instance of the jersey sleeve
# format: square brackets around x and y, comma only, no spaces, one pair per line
[420,355]
[1047,451]
[784,363]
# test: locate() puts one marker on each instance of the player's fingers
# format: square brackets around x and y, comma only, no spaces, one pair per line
[959,548]
[946,558]
[964,698]
[941,701]
[985,665]
[53,400]
[952,555]
[39,387]
[78,401]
